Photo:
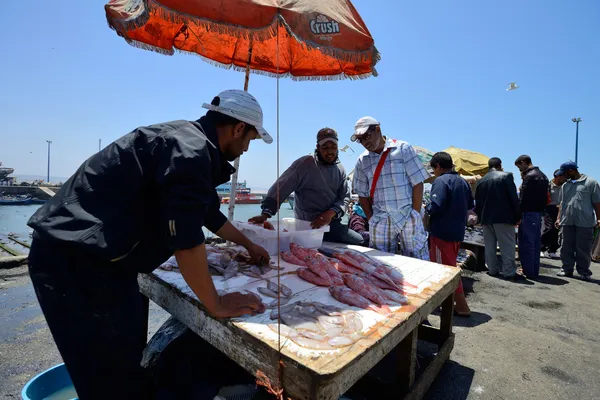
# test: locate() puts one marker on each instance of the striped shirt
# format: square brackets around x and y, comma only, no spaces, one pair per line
[393,194]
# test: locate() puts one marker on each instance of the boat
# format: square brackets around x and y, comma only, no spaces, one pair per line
[19,200]
[244,198]
[5,179]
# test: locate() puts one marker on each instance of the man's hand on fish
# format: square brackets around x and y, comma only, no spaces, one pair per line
[259,219]
[323,219]
[237,304]
[259,255]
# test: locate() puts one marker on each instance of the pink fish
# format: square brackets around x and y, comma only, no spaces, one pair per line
[309,276]
[395,297]
[379,283]
[329,267]
[348,296]
[347,260]
[316,267]
[395,275]
[299,251]
[365,289]
[358,256]
[381,267]
[313,252]
[292,259]
[371,269]
[343,267]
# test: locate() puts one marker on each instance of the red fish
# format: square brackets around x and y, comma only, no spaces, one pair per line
[382,267]
[395,275]
[316,267]
[350,297]
[365,289]
[329,267]
[358,256]
[292,259]
[379,283]
[347,260]
[299,251]
[377,273]
[343,267]
[313,278]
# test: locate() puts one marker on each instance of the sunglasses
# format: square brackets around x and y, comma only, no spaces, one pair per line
[365,136]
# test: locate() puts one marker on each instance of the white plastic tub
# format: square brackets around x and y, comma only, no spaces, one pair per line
[298,232]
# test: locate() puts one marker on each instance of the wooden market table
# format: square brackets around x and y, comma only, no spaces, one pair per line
[314,374]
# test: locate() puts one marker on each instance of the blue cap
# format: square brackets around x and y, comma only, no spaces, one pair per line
[567,166]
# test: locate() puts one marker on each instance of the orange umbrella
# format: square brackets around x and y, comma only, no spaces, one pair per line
[304,39]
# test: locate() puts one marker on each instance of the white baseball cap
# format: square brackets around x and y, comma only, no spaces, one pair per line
[242,106]
[362,126]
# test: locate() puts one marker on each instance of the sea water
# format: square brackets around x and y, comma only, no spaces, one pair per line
[13,219]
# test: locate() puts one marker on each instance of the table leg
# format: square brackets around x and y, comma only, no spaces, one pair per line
[446,319]
[406,362]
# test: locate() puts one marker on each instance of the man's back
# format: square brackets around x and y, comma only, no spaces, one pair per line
[496,200]
[534,191]
[451,198]
[119,201]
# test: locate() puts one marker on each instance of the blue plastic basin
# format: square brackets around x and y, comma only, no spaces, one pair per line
[54,383]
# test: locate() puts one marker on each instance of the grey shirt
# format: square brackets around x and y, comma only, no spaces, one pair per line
[554,193]
[577,199]
[317,188]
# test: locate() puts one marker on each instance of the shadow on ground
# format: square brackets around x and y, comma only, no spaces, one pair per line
[476,319]
[550,280]
[452,383]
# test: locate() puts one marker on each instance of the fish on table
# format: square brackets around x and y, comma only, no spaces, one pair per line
[352,298]
[317,326]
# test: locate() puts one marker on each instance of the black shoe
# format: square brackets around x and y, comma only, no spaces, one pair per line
[516,278]
[586,278]
[496,275]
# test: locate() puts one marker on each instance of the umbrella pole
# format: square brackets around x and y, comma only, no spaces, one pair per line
[236,163]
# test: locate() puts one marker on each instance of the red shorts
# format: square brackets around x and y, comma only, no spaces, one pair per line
[445,253]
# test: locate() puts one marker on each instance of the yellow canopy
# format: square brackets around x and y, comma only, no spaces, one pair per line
[468,162]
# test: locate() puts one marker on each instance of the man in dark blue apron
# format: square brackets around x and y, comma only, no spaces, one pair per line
[126,210]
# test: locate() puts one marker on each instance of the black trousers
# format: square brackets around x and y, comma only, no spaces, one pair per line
[550,241]
[97,317]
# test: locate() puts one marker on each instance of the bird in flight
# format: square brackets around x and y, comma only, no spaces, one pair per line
[346,147]
[512,86]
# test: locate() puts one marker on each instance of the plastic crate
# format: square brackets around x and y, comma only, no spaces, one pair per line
[291,231]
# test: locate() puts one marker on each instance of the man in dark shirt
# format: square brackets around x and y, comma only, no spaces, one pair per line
[321,191]
[533,199]
[126,210]
[497,208]
[451,199]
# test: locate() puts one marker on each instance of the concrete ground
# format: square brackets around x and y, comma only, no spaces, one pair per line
[534,340]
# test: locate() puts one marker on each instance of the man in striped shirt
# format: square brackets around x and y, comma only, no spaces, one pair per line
[392,198]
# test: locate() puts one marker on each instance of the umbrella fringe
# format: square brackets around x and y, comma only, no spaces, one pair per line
[259,34]
[170,52]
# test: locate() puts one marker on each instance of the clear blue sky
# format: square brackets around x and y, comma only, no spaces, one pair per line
[68,78]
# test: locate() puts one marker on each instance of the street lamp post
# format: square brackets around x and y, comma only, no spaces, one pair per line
[577,121]
[49,143]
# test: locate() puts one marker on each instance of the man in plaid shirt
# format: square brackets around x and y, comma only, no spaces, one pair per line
[394,210]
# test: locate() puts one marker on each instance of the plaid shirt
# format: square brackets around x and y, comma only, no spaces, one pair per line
[393,194]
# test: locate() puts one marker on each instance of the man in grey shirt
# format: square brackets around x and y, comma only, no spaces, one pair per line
[321,191]
[578,215]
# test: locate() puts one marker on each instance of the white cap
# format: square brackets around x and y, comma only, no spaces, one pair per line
[242,106]
[361,126]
